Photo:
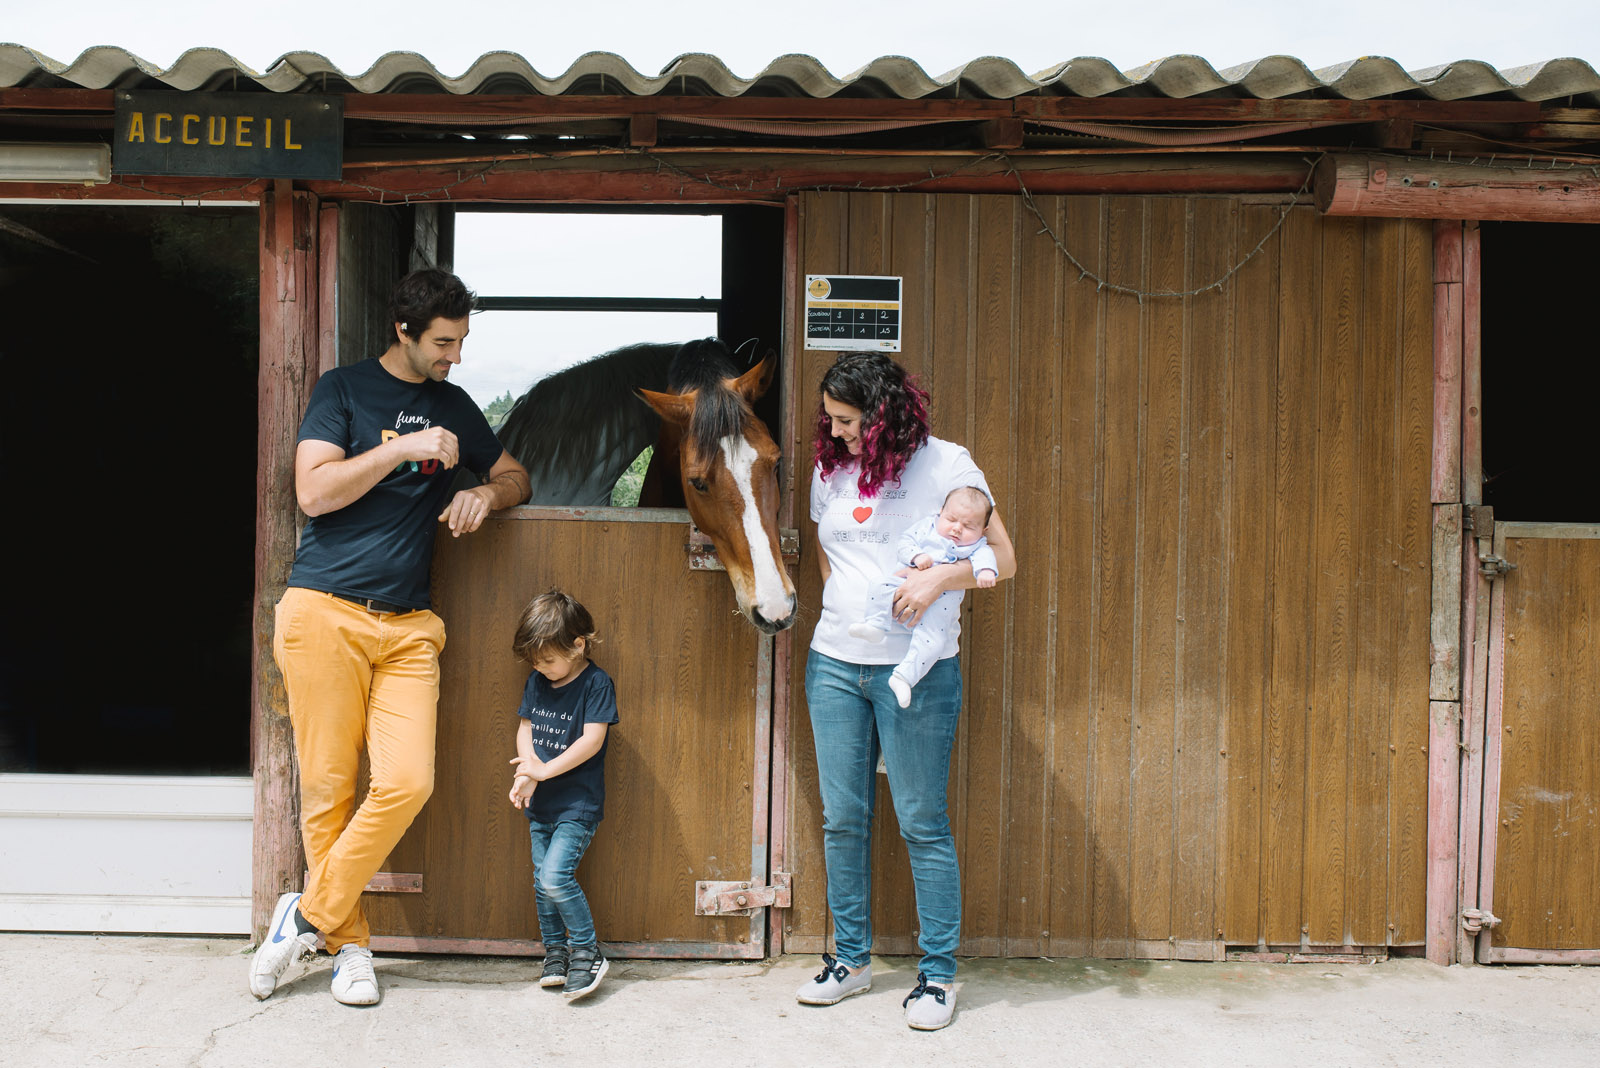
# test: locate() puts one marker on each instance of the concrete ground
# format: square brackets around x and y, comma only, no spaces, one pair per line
[133,1001]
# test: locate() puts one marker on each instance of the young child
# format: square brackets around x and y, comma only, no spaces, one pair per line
[955,533]
[559,779]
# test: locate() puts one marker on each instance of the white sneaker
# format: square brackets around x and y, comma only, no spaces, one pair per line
[834,984]
[930,1006]
[283,943]
[354,982]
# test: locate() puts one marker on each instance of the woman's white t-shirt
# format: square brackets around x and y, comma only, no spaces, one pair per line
[859,538]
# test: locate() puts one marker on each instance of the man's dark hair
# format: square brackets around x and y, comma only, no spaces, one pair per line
[429,294]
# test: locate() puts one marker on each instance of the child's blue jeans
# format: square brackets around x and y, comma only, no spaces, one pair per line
[564,916]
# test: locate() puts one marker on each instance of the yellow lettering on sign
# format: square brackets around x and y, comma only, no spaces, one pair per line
[241,131]
[269,133]
[188,140]
[216,129]
[136,127]
[288,137]
[162,139]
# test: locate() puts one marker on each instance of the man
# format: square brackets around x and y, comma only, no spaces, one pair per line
[354,637]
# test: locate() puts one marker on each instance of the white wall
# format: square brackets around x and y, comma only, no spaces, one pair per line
[165,855]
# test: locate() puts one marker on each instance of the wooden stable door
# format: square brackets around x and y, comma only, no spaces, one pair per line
[687,771]
[1541,841]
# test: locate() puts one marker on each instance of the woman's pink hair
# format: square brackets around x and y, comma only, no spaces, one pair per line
[894,419]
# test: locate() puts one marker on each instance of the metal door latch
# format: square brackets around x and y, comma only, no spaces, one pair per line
[741,899]
[1493,567]
[1475,920]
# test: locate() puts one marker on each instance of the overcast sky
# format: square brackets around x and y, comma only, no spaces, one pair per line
[507,352]
[842,34]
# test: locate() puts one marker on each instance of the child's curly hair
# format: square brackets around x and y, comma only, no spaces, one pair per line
[894,418]
[553,622]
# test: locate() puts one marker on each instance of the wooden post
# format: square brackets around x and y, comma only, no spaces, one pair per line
[1444,807]
[1474,711]
[1411,187]
[289,361]
[1446,486]
[1471,364]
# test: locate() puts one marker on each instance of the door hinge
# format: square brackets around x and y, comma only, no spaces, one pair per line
[741,899]
[1475,920]
[1494,567]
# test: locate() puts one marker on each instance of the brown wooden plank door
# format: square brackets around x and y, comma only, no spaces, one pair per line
[687,770]
[1541,838]
[1197,721]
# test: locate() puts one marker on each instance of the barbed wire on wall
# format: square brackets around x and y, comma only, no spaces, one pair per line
[1102,283]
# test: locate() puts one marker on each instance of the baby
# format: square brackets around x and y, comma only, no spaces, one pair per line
[955,533]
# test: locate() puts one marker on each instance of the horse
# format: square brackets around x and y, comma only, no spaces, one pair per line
[578,430]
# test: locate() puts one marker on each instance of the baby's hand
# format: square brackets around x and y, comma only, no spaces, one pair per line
[522,788]
[922,561]
[986,579]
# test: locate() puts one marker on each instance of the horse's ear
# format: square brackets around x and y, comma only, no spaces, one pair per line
[673,407]
[753,384]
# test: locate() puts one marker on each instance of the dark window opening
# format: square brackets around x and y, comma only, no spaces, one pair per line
[1541,371]
[131,349]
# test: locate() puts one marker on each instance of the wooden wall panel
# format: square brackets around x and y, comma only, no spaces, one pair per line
[1247,637]
[1186,721]
[1073,852]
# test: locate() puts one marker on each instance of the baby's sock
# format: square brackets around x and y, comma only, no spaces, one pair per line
[902,690]
[866,632]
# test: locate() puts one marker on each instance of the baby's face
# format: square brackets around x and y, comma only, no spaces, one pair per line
[961,523]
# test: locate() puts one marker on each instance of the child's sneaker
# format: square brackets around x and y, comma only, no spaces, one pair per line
[555,967]
[283,942]
[354,982]
[866,632]
[834,984]
[585,968]
[929,1006]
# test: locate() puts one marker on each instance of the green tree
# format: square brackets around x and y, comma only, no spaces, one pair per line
[497,409]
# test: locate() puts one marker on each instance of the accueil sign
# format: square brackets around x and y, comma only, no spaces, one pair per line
[229,135]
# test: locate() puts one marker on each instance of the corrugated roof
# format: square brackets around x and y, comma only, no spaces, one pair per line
[603,73]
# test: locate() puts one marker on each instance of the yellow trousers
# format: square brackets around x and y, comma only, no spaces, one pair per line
[357,682]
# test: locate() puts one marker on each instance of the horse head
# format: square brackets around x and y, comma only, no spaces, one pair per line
[727,463]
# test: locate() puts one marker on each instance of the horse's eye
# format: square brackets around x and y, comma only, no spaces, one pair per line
[699,484]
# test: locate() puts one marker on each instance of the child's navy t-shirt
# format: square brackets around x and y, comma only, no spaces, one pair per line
[558,715]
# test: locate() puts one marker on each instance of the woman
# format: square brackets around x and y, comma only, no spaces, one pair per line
[877,472]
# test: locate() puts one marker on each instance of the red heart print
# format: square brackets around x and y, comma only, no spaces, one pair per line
[862,513]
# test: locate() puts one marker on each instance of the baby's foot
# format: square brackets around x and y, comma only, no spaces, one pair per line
[866,632]
[902,690]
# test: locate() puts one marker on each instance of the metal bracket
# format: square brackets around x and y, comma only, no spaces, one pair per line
[703,555]
[1475,920]
[1493,567]
[741,899]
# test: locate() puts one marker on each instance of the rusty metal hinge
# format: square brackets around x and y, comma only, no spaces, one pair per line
[703,555]
[1494,567]
[1475,920]
[741,899]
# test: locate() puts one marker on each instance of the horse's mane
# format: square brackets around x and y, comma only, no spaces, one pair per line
[719,412]
[586,419]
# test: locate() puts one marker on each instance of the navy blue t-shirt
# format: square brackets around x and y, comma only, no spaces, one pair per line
[380,545]
[558,715]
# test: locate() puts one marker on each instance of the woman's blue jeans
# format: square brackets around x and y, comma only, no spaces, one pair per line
[853,714]
[564,916]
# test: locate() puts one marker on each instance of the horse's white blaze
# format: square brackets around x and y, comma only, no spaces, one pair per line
[771,599]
